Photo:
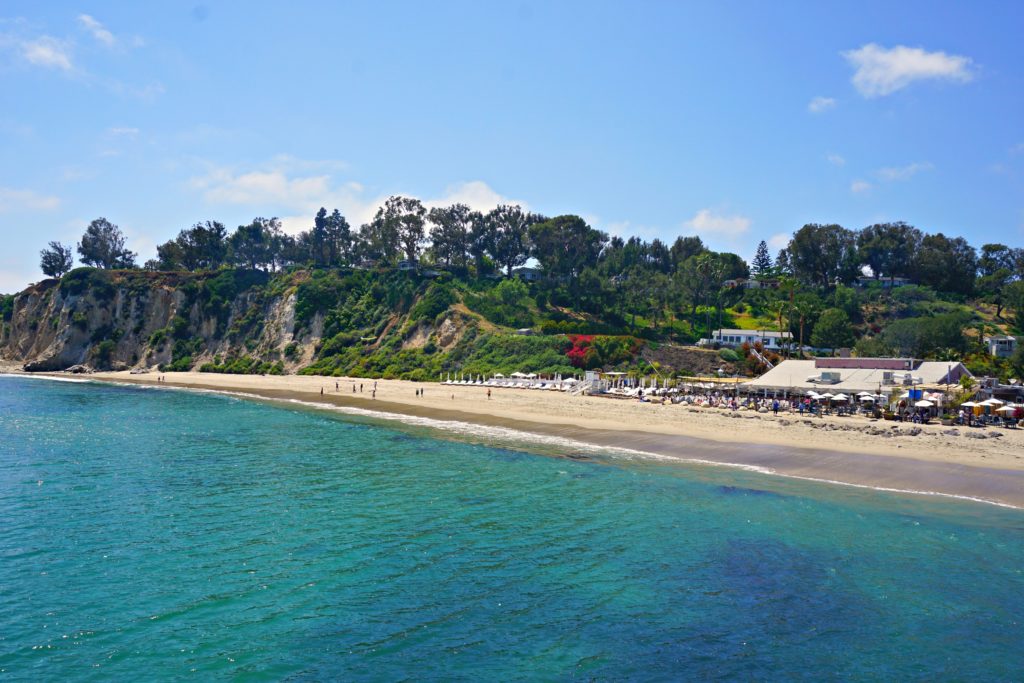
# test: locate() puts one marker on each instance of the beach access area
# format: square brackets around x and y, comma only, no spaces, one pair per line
[847,449]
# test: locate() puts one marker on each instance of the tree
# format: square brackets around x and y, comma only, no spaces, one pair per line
[946,264]
[508,236]
[889,248]
[833,330]
[258,245]
[822,254]
[339,239]
[566,246]
[398,227]
[1013,297]
[451,236]
[56,259]
[762,260]
[102,246]
[996,267]
[685,247]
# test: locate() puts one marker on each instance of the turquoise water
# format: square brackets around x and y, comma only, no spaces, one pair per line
[161,535]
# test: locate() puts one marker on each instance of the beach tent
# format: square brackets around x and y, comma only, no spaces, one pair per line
[518,375]
[499,375]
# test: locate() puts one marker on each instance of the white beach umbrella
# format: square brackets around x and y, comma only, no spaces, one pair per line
[1007,409]
[923,404]
[498,374]
[867,399]
[864,393]
[992,402]
[827,395]
[840,397]
[969,404]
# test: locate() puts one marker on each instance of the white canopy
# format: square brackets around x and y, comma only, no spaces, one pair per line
[864,393]
[992,402]
[570,380]
[498,374]
[840,397]
[1007,409]
[868,399]
[969,404]
[518,374]
[532,375]
[827,395]
[923,404]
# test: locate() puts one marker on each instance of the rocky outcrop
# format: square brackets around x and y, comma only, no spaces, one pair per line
[134,319]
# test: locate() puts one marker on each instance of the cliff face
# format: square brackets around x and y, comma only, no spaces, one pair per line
[123,320]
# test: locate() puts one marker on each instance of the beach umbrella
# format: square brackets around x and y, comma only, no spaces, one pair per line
[923,404]
[864,393]
[969,404]
[827,395]
[1007,409]
[840,397]
[498,374]
[867,399]
[992,402]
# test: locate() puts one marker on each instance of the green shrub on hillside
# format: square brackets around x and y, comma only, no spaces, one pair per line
[244,365]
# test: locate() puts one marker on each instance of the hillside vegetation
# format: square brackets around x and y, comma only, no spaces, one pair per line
[395,299]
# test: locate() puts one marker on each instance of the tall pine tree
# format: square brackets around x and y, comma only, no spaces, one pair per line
[762,260]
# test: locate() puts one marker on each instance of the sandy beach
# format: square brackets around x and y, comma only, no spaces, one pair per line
[840,449]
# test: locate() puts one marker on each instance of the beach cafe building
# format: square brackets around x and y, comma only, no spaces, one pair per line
[855,375]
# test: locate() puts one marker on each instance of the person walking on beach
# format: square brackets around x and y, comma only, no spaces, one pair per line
[488,394]
[321,391]
[373,395]
[336,389]
[361,387]
[775,407]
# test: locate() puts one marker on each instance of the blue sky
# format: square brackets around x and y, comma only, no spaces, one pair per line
[737,121]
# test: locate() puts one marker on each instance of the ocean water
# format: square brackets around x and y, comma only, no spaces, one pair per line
[153,534]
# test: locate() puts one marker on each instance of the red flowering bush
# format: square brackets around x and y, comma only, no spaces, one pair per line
[589,351]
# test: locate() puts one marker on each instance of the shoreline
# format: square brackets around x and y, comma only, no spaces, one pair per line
[992,471]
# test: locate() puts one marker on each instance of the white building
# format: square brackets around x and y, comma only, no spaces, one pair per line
[770,340]
[1001,345]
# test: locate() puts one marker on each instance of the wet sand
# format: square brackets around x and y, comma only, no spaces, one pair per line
[990,469]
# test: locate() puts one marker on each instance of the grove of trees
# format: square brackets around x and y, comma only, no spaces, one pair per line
[814,287]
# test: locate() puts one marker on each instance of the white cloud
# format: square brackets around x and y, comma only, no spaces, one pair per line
[707,222]
[882,71]
[836,160]
[779,240]
[294,189]
[859,186]
[475,194]
[1017,149]
[48,52]
[821,104]
[98,30]
[26,200]
[123,131]
[907,172]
